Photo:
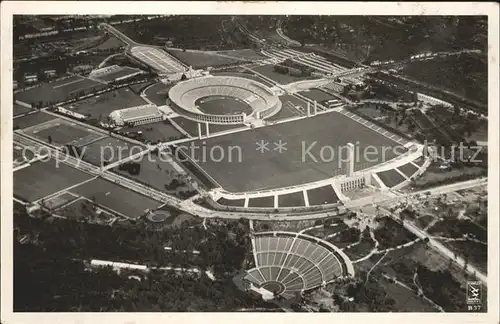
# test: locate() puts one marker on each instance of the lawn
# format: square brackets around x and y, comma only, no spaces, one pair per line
[31,120]
[158,93]
[116,198]
[109,149]
[19,110]
[99,107]
[268,71]
[317,95]
[294,199]
[301,162]
[191,127]
[322,195]
[200,60]
[63,132]
[267,202]
[44,178]
[391,177]
[156,132]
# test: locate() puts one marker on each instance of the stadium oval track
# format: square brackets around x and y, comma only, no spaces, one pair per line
[261,99]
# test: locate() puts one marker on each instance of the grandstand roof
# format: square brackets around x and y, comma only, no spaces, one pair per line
[134,113]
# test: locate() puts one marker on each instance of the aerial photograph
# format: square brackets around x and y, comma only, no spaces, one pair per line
[250,163]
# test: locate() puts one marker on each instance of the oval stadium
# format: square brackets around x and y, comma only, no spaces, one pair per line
[248,99]
[288,263]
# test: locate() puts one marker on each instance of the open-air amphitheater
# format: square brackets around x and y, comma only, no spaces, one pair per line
[263,101]
[288,263]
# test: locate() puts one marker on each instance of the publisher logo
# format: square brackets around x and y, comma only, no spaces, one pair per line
[473,292]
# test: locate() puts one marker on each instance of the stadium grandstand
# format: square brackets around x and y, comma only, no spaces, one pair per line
[138,115]
[184,95]
[288,263]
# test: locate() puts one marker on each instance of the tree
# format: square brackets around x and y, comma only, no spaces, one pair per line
[49,139]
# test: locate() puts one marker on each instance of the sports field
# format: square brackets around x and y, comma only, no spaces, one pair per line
[268,71]
[115,197]
[63,132]
[157,59]
[109,149]
[245,75]
[31,120]
[290,107]
[19,110]
[59,90]
[44,178]
[158,93]
[154,172]
[191,127]
[310,152]
[199,59]
[317,95]
[101,106]
[156,132]
[221,105]
[122,72]
[322,195]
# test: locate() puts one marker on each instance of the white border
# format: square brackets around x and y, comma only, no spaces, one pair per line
[277,8]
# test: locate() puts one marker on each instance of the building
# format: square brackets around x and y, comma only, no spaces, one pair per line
[134,116]
[432,101]
[30,78]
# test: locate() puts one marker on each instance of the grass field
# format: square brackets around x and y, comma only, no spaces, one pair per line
[19,110]
[31,120]
[158,93]
[300,163]
[391,178]
[59,201]
[317,95]
[248,54]
[268,71]
[246,76]
[101,106]
[58,91]
[63,132]
[191,127]
[116,198]
[322,195]
[156,132]
[261,202]
[109,149]
[295,199]
[154,172]
[408,169]
[231,202]
[123,71]
[199,60]
[44,178]
[289,108]
[221,105]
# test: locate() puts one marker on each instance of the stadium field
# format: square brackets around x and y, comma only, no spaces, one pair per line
[156,132]
[289,108]
[154,172]
[158,93]
[44,178]
[391,178]
[322,195]
[295,199]
[245,75]
[243,168]
[116,198]
[221,105]
[191,127]
[32,120]
[109,149]
[99,107]
[58,91]
[317,95]
[268,71]
[19,110]
[199,60]
[63,132]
